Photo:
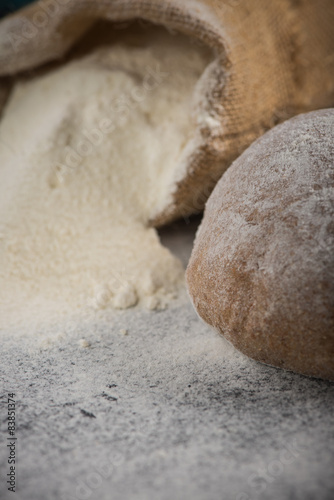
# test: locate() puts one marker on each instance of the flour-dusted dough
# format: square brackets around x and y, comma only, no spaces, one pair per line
[262,269]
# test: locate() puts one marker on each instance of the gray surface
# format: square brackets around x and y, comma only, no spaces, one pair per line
[193,419]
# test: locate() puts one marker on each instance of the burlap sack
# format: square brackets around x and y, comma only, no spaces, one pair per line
[274,59]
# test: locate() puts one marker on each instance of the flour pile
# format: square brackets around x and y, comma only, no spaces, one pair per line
[88,155]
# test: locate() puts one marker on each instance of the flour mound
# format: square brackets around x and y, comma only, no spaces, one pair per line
[88,156]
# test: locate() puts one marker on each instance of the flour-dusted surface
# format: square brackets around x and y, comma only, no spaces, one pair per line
[168,411]
[88,157]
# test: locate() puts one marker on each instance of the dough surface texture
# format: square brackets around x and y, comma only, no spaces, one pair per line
[262,269]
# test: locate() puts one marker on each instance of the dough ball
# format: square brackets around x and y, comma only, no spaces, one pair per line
[262,268]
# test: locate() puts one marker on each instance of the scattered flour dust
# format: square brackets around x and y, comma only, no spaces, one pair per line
[88,154]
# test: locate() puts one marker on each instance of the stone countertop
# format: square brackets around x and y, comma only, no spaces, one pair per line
[140,405]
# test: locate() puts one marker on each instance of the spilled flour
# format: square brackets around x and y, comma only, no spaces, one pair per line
[88,155]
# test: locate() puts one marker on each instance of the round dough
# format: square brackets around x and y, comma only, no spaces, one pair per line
[262,269]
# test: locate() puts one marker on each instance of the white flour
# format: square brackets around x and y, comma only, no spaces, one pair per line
[88,155]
